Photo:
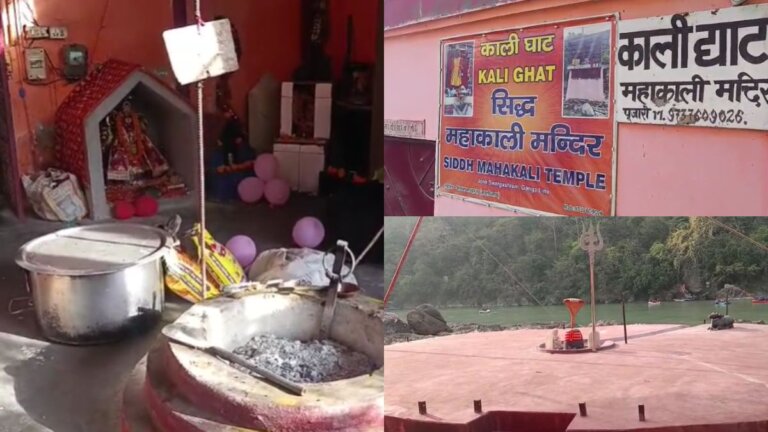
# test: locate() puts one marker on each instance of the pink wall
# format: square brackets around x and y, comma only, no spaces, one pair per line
[661,170]
[720,173]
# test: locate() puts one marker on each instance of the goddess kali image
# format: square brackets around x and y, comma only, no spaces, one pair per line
[459,61]
[458,80]
[133,164]
[132,155]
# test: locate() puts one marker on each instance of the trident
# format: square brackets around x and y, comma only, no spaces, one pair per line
[591,241]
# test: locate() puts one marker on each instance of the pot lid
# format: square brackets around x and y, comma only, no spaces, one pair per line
[93,249]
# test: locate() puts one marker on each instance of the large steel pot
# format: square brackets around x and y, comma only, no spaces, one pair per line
[96,284]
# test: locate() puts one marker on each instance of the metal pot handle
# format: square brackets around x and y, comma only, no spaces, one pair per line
[13,311]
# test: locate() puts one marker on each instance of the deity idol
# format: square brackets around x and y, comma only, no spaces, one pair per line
[133,157]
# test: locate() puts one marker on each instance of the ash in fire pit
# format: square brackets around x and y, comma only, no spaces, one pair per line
[305,362]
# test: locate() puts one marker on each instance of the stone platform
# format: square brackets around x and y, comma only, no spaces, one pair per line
[689,380]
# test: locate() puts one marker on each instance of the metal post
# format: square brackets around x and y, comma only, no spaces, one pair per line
[583,409]
[422,408]
[624,319]
[641,412]
[591,241]
[400,263]
[478,406]
[726,302]
[592,299]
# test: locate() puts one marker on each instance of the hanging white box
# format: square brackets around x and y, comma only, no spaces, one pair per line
[198,54]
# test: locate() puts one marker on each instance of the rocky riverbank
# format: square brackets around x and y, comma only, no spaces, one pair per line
[396,330]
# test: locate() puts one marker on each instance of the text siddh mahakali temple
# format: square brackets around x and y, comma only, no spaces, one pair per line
[634,108]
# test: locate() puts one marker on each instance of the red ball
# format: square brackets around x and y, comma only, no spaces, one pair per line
[146,206]
[123,210]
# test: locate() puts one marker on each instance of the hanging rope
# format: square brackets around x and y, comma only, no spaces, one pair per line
[201,165]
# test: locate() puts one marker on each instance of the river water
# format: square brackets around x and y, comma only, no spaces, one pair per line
[693,312]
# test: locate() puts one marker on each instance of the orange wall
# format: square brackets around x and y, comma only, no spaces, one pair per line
[120,29]
[270,35]
[132,31]
[366,24]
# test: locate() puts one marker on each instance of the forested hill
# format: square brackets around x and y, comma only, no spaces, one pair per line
[518,261]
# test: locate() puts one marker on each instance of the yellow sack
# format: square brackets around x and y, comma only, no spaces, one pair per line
[221,263]
[183,277]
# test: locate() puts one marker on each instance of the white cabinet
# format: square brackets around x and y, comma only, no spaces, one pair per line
[300,165]
[311,163]
[287,156]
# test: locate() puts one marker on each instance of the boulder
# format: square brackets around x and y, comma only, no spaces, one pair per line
[431,311]
[426,320]
[394,325]
[720,322]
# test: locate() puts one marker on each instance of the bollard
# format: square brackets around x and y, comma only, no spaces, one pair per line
[583,409]
[478,406]
[641,412]
[422,408]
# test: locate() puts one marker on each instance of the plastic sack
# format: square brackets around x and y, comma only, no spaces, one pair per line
[221,263]
[56,195]
[303,265]
[183,276]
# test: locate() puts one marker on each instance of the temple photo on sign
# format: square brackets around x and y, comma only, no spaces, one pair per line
[587,69]
[459,88]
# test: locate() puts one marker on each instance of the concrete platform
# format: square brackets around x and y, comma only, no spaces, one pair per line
[689,379]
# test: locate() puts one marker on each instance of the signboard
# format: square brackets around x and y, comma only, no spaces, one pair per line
[405,128]
[526,118]
[698,69]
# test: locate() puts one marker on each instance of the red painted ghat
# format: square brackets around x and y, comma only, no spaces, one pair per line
[688,379]
[489,422]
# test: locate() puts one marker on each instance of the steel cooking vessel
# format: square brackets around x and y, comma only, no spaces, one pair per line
[98,283]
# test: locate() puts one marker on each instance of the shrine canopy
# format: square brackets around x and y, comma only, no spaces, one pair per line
[78,141]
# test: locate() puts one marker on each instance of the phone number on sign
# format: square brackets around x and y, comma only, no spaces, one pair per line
[713,116]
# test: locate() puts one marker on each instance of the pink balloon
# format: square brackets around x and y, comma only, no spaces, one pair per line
[250,190]
[277,192]
[243,248]
[308,232]
[265,166]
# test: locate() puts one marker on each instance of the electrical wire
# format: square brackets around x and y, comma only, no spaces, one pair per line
[101,27]
[740,234]
[370,245]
